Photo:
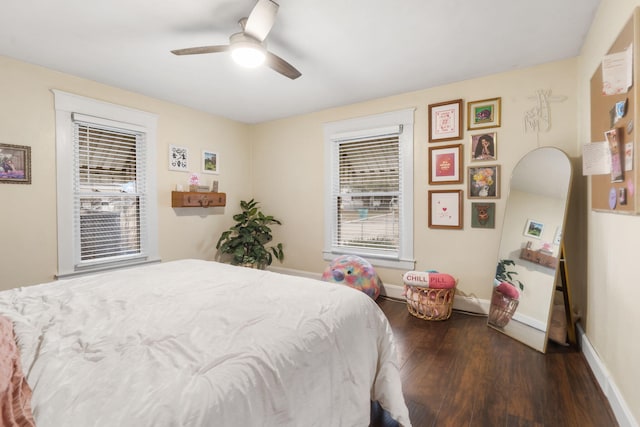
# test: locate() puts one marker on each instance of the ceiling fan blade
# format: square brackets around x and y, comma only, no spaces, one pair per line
[281,66]
[261,19]
[201,49]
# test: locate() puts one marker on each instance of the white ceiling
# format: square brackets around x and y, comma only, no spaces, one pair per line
[347,50]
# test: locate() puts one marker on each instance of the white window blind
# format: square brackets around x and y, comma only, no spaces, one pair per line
[106,185]
[366,194]
[109,193]
[369,189]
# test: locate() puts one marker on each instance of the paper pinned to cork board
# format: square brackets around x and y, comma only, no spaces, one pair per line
[596,158]
[617,72]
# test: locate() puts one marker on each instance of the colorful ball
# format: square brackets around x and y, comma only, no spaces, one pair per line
[355,272]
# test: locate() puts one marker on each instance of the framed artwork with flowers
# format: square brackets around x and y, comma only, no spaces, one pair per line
[445,209]
[484,182]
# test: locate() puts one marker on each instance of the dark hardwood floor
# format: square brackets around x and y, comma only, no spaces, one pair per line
[459,372]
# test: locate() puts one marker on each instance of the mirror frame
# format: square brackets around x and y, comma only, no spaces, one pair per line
[530,264]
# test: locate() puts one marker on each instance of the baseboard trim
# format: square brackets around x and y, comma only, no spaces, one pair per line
[618,405]
[393,291]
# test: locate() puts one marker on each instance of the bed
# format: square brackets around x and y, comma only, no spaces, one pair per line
[200,343]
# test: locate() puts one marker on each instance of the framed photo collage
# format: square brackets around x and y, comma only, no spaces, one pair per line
[446,162]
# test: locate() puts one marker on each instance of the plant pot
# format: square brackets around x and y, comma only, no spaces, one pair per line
[251,265]
[502,309]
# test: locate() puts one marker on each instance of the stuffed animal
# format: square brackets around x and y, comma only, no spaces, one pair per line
[355,272]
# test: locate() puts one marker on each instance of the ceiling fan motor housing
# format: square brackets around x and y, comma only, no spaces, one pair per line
[246,50]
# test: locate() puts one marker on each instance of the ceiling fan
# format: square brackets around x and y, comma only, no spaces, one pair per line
[249,44]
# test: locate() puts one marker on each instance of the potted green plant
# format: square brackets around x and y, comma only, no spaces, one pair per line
[503,274]
[246,242]
[505,296]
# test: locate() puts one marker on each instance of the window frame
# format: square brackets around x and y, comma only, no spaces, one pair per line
[370,126]
[101,113]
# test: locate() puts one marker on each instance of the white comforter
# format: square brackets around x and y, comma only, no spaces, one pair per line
[198,343]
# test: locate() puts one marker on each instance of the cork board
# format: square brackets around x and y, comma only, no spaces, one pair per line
[617,194]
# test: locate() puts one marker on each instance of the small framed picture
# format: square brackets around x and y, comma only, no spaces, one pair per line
[557,237]
[483,114]
[445,121]
[15,164]
[210,162]
[178,158]
[533,229]
[445,164]
[484,146]
[484,182]
[445,209]
[483,215]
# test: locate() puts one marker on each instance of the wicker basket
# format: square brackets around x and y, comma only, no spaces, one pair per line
[502,309]
[429,303]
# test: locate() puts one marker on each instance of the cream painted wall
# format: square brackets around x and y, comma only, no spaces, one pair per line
[280,163]
[288,156]
[28,243]
[612,291]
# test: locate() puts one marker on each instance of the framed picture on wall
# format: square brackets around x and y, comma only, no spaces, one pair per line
[533,229]
[445,209]
[210,162]
[484,146]
[483,114]
[483,215]
[178,158]
[484,182]
[15,164]
[445,164]
[445,121]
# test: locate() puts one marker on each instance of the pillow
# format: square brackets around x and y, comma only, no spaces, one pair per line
[429,280]
[15,394]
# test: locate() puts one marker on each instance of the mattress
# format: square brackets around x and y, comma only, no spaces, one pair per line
[200,343]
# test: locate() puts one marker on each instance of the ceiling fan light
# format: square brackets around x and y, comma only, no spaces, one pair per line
[249,55]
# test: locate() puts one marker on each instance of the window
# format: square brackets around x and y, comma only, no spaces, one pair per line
[369,189]
[106,185]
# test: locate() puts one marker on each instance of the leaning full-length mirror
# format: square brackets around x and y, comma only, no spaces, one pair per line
[535,212]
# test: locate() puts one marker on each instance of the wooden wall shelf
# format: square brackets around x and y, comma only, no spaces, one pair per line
[538,257]
[192,199]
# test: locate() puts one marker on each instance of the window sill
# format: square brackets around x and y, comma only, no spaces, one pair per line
[376,261]
[106,267]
